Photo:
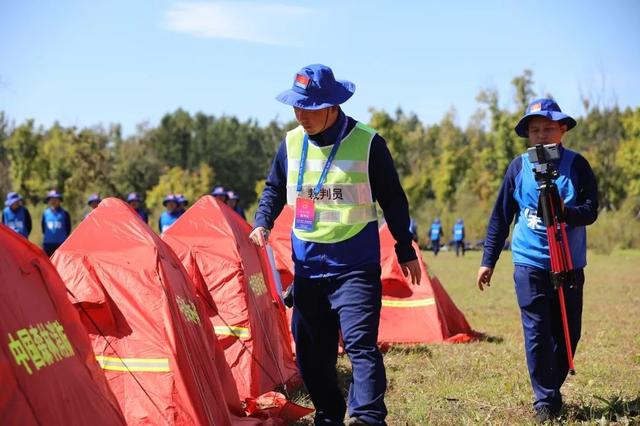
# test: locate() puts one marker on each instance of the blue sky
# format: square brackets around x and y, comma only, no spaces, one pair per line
[84,63]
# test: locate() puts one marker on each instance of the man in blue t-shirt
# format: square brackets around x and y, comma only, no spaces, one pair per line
[56,223]
[435,233]
[458,236]
[233,201]
[15,215]
[170,215]
[135,202]
[543,123]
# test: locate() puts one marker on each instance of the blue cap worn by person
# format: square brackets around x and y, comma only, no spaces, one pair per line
[12,197]
[544,108]
[459,221]
[133,196]
[181,199]
[169,198]
[315,87]
[232,195]
[53,194]
[219,191]
[93,198]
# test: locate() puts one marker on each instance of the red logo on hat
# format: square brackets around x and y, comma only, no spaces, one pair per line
[302,81]
[536,107]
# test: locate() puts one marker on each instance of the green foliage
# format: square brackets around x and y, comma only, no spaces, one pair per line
[446,170]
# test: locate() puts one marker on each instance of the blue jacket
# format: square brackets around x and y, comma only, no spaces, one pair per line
[518,198]
[19,221]
[143,214]
[56,225]
[317,260]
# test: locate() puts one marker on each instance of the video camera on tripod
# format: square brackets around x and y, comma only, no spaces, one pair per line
[551,210]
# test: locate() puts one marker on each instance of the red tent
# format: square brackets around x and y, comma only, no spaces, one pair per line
[48,372]
[410,314]
[416,314]
[213,243]
[152,338]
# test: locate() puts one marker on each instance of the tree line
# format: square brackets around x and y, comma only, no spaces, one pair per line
[448,171]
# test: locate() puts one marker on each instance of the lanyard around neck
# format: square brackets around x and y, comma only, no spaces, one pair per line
[327,165]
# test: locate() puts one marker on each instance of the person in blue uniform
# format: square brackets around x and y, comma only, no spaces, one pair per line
[171,213]
[233,201]
[543,123]
[56,223]
[15,215]
[435,233]
[458,236]
[413,229]
[219,193]
[182,203]
[135,202]
[92,201]
[332,170]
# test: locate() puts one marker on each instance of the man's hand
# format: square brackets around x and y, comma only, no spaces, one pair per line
[484,277]
[412,268]
[259,236]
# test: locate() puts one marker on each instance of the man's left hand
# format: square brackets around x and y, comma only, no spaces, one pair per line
[412,268]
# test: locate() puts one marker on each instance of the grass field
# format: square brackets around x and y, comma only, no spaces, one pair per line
[486,382]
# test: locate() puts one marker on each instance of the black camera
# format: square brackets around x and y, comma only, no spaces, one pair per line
[542,157]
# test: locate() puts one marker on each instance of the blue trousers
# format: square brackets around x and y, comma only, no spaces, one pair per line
[543,334]
[349,304]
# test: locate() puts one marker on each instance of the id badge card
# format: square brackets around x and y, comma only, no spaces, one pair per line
[305,214]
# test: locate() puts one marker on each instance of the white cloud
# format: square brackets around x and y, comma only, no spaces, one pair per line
[268,23]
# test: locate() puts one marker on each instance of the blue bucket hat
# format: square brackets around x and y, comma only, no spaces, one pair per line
[181,199]
[12,197]
[168,199]
[315,87]
[93,198]
[545,108]
[219,191]
[53,194]
[133,196]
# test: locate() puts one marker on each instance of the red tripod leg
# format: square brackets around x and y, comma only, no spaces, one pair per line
[565,328]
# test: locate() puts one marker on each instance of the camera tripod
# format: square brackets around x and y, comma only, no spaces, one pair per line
[551,210]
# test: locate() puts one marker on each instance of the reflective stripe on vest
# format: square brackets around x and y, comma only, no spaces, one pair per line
[153,365]
[345,204]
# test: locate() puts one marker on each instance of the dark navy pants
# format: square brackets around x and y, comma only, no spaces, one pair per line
[543,335]
[349,304]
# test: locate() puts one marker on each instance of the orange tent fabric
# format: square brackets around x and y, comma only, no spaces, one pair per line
[410,314]
[152,338]
[48,372]
[416,314]
[213,243]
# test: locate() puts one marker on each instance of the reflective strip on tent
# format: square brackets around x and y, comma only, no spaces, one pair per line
[408,303]
[154,365]
[241,332]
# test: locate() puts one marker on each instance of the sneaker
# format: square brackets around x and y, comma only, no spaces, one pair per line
[354,421]
[545,414]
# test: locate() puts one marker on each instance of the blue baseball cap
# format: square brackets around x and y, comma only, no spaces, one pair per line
[12,197]
[169,198]
[133,196]
[93,198]
[545,108]
[315,87]
[53,194]
[219,191]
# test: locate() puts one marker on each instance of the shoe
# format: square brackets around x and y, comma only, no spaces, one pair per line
[354,421]
[545,414]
